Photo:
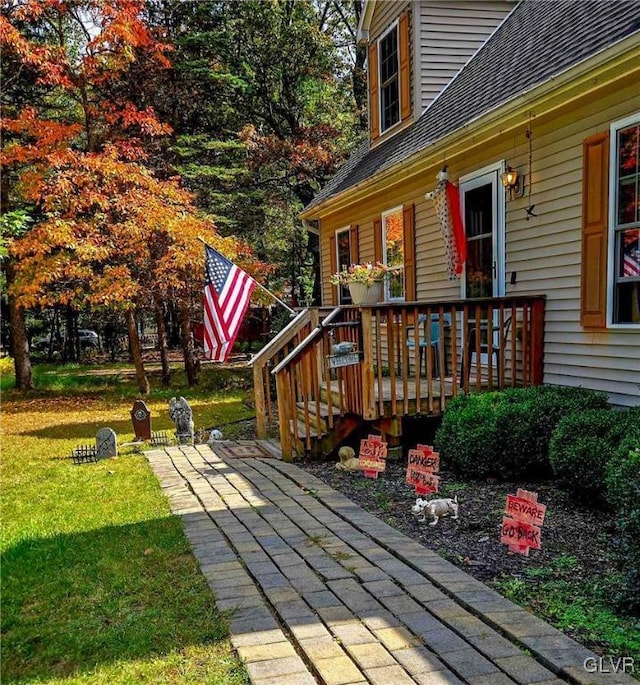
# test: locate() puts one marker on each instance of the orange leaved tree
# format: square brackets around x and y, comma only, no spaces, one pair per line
[105,231]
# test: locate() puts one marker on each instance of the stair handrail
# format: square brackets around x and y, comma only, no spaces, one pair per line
[317,331]
[259,361]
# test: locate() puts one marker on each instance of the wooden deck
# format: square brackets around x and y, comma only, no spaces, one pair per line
[462,346]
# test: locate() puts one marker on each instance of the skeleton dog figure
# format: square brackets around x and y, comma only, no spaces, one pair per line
[435,509]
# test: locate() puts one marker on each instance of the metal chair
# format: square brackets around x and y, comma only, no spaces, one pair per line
[433,340]
[493,340]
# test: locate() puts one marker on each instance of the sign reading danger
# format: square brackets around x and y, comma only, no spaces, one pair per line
[422,465]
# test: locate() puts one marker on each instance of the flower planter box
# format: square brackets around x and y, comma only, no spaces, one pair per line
[361,293]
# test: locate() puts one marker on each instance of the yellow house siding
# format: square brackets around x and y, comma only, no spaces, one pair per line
[544,252]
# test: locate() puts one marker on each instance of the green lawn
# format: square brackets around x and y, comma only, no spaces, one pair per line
[98,582]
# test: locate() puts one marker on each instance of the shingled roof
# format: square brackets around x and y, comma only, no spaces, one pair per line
[537,41]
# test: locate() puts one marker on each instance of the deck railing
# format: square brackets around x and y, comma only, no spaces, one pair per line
[311,394]
[411,358]
[419,354]
[268,357]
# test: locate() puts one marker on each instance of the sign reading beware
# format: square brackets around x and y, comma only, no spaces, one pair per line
[521,530]
[422,465]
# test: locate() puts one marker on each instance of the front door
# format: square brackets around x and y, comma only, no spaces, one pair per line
[482,207]
[482,199]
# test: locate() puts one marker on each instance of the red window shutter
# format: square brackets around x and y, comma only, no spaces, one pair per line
[374,92]
[595,187]
[409,253]
[405,66]
[333,260]
[377,240]
[354,244]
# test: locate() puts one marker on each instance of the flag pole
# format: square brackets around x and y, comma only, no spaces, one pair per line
[277,299]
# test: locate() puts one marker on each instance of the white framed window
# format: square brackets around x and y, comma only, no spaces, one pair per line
[624,224]
[344,260]
[389,78]
[393,252]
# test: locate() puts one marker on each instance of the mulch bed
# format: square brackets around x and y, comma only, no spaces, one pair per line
[473,541]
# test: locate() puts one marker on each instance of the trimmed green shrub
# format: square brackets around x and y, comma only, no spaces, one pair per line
[623,495]
[507,434]
[583,444]
[467,436]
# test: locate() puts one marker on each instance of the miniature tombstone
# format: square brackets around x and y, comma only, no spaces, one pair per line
[181,414]
[141,419]
[106,444]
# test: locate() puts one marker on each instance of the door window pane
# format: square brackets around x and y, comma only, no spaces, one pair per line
[478,223]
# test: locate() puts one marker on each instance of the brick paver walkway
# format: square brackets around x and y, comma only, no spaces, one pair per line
[320,591]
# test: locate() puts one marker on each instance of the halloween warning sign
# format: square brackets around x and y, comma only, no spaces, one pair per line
[521,526]
[373,456]
[422,466]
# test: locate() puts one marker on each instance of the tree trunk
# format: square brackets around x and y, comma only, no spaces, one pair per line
[191,361]
[136,353]
[69,350]
[162,342]
[19,340]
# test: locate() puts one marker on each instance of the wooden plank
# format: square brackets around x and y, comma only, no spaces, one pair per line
[379,363]
[478,319]
[454,351]
[417,337]
[442,359]
[405,360]
[391,342]
[259,400]
[368,398]
[282,385]
[466,356]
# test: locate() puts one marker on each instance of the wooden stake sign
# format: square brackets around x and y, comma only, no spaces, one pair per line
[521,532]
[373,456]
[423,463]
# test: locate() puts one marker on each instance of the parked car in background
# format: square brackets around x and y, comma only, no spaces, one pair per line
[88,339]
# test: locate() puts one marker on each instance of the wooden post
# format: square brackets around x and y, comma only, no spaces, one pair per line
[283,392]
[537,342]
[259,398]
[368,394]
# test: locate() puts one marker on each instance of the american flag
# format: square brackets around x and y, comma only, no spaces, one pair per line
[227,291]
[631,253]
[631,265]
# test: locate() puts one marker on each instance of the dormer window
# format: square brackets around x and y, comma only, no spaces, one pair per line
[389,79]
[389,70]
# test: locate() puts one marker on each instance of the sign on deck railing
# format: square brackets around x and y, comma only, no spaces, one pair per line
[337,361]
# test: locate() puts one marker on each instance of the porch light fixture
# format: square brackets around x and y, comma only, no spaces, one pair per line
[512,181]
